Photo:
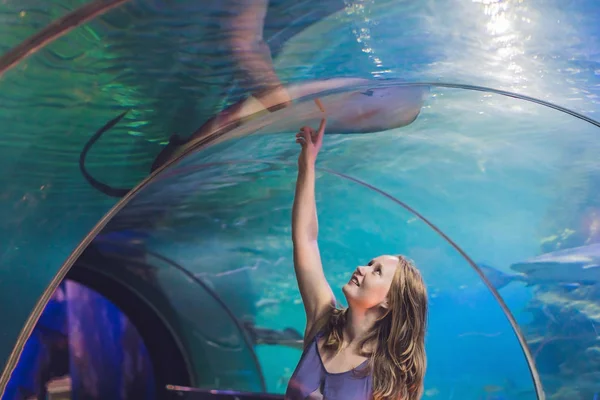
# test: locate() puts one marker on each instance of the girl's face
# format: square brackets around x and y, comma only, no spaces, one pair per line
[369,285]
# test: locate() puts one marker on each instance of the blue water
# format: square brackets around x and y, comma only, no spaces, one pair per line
[498,175]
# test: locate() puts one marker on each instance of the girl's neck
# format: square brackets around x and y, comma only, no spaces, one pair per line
[358,325]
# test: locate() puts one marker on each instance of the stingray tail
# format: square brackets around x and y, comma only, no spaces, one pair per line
[104,188]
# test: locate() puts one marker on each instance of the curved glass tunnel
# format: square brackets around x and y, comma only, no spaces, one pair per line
[505,179]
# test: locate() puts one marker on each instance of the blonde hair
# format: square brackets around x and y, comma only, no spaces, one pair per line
[398,361]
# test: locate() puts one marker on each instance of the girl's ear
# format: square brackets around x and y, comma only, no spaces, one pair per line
[384,304]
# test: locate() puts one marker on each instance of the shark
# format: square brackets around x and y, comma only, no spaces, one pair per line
[568,268]
[370,108]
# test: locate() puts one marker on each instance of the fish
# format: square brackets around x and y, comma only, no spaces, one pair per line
[568,268]
[370,108]
[575,265]
[288,337]
[500,279]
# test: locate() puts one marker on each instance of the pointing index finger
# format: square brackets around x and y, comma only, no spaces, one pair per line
[321,131]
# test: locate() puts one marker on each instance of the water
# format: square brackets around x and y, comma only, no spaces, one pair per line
[497,175]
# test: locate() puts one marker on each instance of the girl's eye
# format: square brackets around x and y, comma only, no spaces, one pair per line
[378,271]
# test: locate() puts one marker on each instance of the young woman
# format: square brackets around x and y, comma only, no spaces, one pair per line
[374,349]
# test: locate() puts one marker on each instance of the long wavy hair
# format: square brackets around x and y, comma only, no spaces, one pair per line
[397,359]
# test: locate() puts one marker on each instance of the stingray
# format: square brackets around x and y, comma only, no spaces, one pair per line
[347,112]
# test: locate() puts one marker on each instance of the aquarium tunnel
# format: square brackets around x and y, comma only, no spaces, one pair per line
[148,171]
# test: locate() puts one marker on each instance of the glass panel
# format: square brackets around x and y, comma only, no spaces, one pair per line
[506,180]
[55,99]
[228,223]
[216,346]
[513,192]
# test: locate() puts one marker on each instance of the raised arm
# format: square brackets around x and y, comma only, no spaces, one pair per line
[316,293]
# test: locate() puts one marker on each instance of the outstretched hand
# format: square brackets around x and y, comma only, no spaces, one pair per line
[311,143]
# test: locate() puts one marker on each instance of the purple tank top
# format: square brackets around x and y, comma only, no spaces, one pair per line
[310,375]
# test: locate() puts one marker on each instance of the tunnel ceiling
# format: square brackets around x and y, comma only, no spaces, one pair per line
[173,76]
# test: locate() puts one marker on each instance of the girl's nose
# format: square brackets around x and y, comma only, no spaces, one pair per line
[361,270]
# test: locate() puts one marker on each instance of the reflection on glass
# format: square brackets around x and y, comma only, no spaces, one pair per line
[83,346]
